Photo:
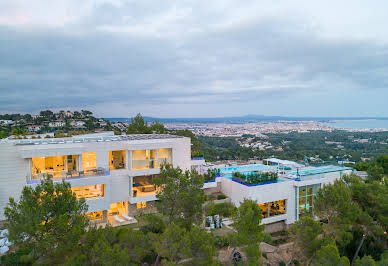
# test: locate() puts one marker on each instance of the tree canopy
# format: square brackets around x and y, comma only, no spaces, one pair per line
[47,218]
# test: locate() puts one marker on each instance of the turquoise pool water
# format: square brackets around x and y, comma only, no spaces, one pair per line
[319,170]
[227,171]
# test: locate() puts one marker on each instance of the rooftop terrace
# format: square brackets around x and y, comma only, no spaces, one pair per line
[317,171]
[85,139]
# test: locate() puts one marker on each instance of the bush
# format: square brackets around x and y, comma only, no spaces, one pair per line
[282,263]
[155,224]
[19,257]
[221,241]
[210,197]
[296,262]
[221,197]
[267,239]
[265,255]
[224,209]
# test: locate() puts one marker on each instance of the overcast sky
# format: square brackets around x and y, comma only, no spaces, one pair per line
[195,58]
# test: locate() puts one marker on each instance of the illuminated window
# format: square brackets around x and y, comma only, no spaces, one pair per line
[89,192]
[89,161]
[143,186]
[273,208]
[55,166]
[164,156]
[116,160]
[95,216]
[144,159]
[306,199]
[141,205]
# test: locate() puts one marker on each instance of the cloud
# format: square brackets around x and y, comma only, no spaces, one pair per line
[194,58]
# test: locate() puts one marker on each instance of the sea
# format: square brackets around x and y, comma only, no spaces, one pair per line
[359,124]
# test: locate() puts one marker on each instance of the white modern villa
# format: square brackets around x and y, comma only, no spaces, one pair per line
[113,173]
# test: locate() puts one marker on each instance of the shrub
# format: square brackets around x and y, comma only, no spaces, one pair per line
[267,239]
[19,257]
[265,255]
[210,197]
[221,241]
[296,262]
[221,197]
[155,224]
[282,263]
[224,209]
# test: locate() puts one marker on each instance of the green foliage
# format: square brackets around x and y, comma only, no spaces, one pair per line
[365,261]
[182,196]
[111,246]
[172,244]
[329,256]
[267,238]
[22,256]
[212,174]
[333,203]
[154,224]
[305,234]
[138,126]
[47,218]
[249,231]
[221,197]
[221,241]
[382,161]
[255,178]
[224,209]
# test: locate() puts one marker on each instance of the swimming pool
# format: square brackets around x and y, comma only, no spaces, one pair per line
[227,171]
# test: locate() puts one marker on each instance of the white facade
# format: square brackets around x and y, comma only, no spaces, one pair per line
[16,170]
[287,188]
[57,124]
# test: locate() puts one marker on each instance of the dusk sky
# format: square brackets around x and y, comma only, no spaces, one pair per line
[195,58]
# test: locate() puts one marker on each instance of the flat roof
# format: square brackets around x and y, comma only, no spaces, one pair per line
[85,138]
[318,170]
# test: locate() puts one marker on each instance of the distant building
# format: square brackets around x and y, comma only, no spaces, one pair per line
[6,122]
[34,128]
[77,123]
[57,124]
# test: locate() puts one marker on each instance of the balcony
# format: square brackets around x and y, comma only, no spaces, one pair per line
[68,175]
[150,159]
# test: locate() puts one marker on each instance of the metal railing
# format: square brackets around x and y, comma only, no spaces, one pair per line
[55,175]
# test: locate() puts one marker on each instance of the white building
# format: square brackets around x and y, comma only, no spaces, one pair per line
[6,122]
[284,201]
[77,123]
[113,173]
[57,124]
[33,128]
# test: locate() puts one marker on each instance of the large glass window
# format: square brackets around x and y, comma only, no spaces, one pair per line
[144,159]
[89,161]
[89,192]
[306,199]
[164,156]
[143,186]
[273,208]
[55,166]
[116,160]
[95,216]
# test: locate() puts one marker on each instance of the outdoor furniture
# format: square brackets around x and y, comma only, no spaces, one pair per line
[118,219]
[4,233]
[3,250]
[128,217]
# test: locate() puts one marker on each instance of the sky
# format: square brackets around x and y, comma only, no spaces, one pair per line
[195,58]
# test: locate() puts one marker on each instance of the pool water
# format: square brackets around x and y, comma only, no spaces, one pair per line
[245,169]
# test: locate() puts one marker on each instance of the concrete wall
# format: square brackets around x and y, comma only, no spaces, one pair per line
[13,171]
[15,166]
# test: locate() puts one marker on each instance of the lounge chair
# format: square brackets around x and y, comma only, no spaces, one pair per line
[118,219]
[4,233]
[2,241]
[3,250]
[128,217]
